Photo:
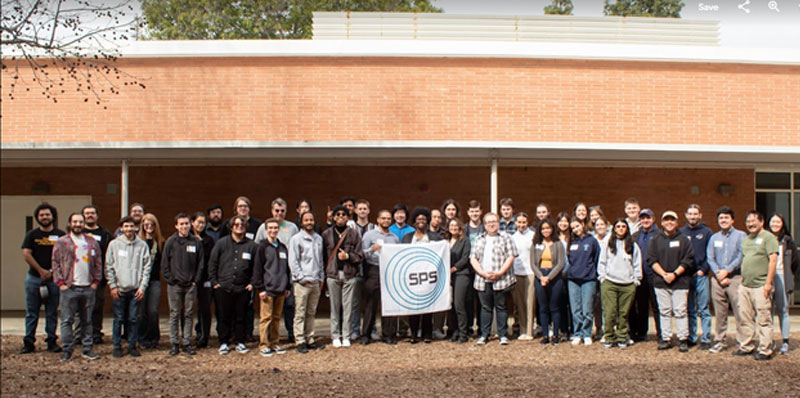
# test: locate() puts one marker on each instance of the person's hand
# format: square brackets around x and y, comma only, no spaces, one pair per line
[216,286]
[63,287]
[669,277]
[767,290]
[700,273]
[452,269]
[375,247]
[286,293]
[93,286]
[115,294]
[723,274]
[342,255]
[139,295]
[544,280]
[725,282]
[249,288]
[263,295]
[45,274]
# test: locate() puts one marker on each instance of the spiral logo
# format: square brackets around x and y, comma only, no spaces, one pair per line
[415,277]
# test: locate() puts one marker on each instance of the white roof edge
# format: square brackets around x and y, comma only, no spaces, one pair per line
[305,145]
[458,49]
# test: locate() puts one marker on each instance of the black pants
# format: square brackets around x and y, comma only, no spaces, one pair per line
[203,327]
[460,316]
[424,321]
[97,311]
[639,318]
[232,311]
[372,299]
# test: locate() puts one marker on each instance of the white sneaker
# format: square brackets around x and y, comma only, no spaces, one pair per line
[278,350]
[224,349]
[587,341]
[504,340]
[718,347]
[337,343]
[241,348]
[346,343]
[525,337]
[550,334]
[266,352]
[575,341]
[603,339]
[481,341]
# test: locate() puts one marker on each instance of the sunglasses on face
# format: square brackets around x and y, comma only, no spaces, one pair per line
[340,214]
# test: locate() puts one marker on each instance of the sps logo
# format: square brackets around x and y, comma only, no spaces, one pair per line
[413,277]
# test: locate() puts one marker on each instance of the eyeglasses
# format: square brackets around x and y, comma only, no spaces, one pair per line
[490,222]
[242,205]
[238,225]
[340,214]
[148,224]
[279,210]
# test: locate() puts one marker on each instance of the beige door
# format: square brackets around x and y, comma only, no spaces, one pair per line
[17,218]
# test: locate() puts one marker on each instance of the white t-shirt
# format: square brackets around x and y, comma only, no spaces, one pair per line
[80,273]
[522,263]
[486,260]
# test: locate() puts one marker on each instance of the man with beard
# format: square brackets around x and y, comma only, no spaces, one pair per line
[37,249]
[343,255]
[308,273]
[421,216]
[697,232]
[136,211]
[214,221]
[241,207]
[103,238]
[77,269]
[372,243]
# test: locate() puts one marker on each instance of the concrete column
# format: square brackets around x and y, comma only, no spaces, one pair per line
[493,185]
[124,189]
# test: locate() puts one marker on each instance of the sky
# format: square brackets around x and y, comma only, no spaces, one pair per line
[764,26]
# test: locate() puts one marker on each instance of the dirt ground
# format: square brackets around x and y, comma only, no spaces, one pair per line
[440,369]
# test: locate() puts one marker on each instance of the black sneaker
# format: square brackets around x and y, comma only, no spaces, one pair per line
[202,344]
[53,347]
[683,346]
[705,346]
[134,352]
[762,357]
[97,340]
[188,350]
[740,353]
[315,346]
[691,343]
[116,352]
[175,350]
[291,340]
[365,340]
[462,339]
[90,355]
[27,349]
[544,340]
[66,356]
[302,348]
[664,345]
[390,340]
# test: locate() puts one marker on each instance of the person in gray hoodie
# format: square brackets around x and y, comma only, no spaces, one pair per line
[272,281]
[128,265]
[305,262]
[620,272]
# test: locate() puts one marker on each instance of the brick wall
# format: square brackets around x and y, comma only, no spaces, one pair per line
[351,99]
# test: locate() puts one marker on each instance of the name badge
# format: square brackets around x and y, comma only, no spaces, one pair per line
[699,236]
[207,284]
[53,238]
[245,256]
[719,244]
[122,253]
[282,255]
[675,243]
[574,247]
[690,238]
[98,238]
[249,235]
[191,249]
[540,247]
[93,253]
[759,241]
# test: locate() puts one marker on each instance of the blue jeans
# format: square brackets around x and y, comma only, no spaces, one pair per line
[581,302]
[780,307]
[548,300]
[33,303]
[126,311]
[493,301]
[699,296]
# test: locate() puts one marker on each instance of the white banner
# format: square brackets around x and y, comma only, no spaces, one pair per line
[415,278]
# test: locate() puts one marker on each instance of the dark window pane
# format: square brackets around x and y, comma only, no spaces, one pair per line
[773,181]
[773,202]
[796,181]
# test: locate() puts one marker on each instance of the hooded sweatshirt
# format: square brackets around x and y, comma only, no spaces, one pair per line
[700,235]
[620,267]
[183,260]
[128,264]
[271,272]
[671,252]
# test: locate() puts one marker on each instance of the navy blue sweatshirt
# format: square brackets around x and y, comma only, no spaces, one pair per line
[642,238]
[700,235]
[584,253]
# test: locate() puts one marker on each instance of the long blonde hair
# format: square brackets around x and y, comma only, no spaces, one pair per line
[156,232]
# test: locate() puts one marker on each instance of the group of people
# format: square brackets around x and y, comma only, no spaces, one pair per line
[559,276]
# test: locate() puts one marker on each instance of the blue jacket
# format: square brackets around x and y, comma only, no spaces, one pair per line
[700,235]
[643,238]
[584,254]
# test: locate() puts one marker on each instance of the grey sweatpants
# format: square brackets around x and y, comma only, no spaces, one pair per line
[181,302]
[673,303]
[343,292]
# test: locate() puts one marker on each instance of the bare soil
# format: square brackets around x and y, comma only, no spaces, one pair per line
[520,369]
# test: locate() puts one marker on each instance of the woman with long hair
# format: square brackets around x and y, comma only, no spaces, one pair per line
[619,271]
[595,212]
[583,253]
[451,209]
[788,263]
[461,279]
[149,333]
[204,291]
[565,238]
[581,211]
[547,262]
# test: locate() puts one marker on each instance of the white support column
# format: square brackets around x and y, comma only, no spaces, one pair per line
[124,189]
[493,186]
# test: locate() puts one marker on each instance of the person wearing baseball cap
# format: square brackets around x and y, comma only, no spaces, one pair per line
[671,257]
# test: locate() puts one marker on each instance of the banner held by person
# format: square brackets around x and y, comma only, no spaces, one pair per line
[415,279]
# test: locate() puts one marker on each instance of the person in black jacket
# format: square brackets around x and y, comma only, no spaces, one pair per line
[671,257]
[204,293]
[182,265]
[272,281]
[462,274]
[230,271]
[421,216]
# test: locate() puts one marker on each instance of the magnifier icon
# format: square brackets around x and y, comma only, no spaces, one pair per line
[773,5]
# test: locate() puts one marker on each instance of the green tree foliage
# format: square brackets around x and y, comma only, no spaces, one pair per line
[254,19]
[559,7]
[644,8]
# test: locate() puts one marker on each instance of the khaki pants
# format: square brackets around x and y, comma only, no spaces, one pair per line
[720,298]
[755,318]
[306,299]
[524,301]
[270,323]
